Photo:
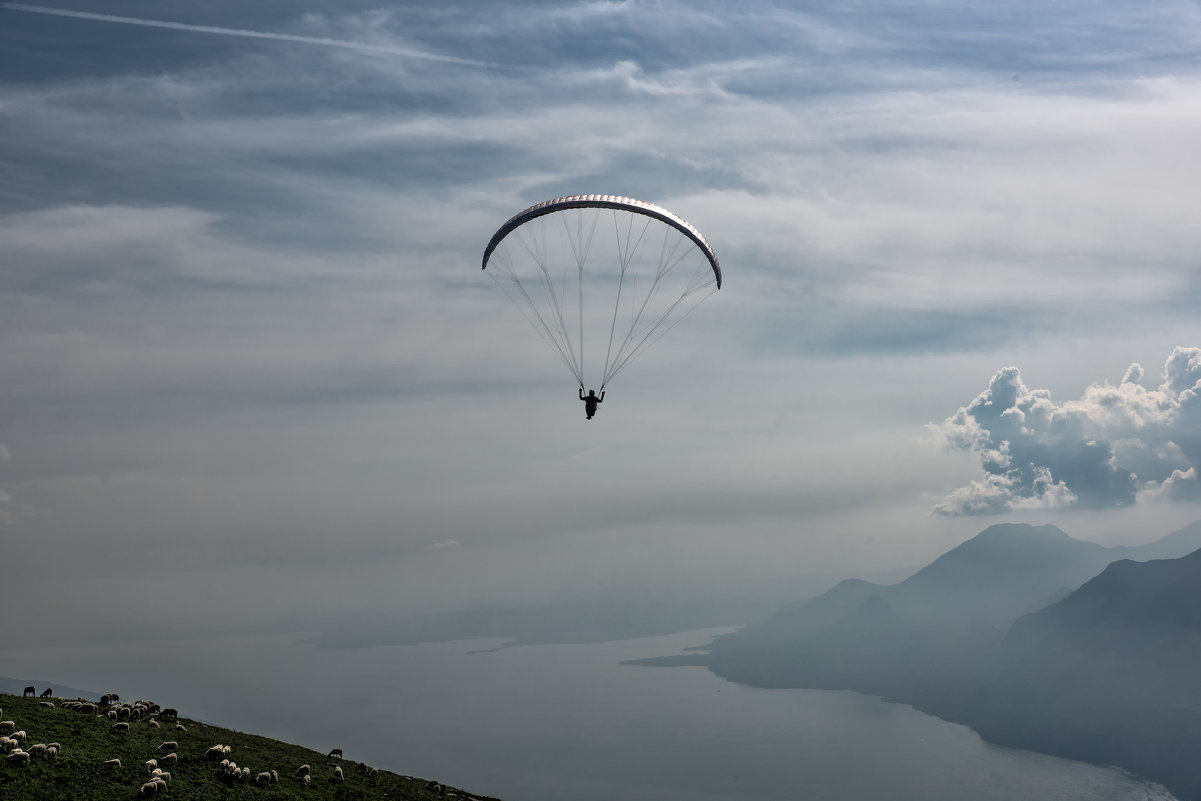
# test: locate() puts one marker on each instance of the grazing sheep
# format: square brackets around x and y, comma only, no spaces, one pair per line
[303,770]
[119,727]
[105,700]
[112,763]
[89,708]
[124,713]
[151,764]
[373,772]
[170,745]
[169,759]
[338,773]
[165,776]
[20,736]
[245,774]
[18,756]
[46,693]
[180,727]
[435,787]
[274,776]
[306,779]
[214,753]
[111,714]
[152,723]
[170,713]
[335,752]
[148,789]
[46,703]
[263,778]
[7,744]
[8,725]
[30,690]
[51,752]
[114,697]
[37,750]
[227,749]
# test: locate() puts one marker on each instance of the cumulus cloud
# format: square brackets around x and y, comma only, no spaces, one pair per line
[1107,449]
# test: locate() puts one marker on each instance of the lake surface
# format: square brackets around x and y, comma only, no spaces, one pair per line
[571,722]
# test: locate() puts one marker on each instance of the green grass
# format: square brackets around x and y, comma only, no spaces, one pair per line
[79,773]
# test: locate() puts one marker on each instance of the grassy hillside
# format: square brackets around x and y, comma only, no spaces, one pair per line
[79,773]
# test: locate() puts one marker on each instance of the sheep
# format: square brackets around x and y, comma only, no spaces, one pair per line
[338,773]
[151,764]
[335,753]
[303,770]
[435,787]
[274,776]
[59,746]
[170,713]
[165,776]
[8,725]
[149,789]
[227,749]
[18,756]
[170,745]
[180,727]
[111,714]
[170,759]
[119,727]
[49,704]
[112,763]
[30,690]
[106,699]
[214,753]
[307,779]
[20,736]
[7,744]
[46,693]
[263,778]
[51,752]
[37,750]
[245,774]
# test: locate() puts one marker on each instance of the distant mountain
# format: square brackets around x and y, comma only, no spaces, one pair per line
[937,638]
[1110,674]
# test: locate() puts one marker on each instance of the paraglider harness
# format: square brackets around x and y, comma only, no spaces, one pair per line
[591,401]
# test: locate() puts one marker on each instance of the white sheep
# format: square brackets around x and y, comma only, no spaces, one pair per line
[335,752]
[227,749]
[245,774]
[112,763]
[149,789]
[8,744]
[51,752]
[180,727]
[338,773]
[119,727]
[152,723]
[20,736]
[165,776]
[46,703]
[274,777]
[263,778]
[8,725]
[214,753]
[170,745]
[307,779]
[169,759]
[151,764]
[303,770]
[18,756]
[37,749]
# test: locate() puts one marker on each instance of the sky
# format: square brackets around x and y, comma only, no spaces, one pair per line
[253,378]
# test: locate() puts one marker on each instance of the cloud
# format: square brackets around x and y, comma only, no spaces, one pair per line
[1105,450]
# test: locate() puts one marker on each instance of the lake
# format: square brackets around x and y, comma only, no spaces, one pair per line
[571,722]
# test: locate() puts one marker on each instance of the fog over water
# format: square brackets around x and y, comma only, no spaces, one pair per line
[569,721]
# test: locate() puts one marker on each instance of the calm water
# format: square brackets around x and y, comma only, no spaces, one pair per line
[570,722]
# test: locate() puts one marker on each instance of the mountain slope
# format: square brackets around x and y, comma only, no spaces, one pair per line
[80,772]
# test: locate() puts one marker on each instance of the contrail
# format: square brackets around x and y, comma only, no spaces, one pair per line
[281,37]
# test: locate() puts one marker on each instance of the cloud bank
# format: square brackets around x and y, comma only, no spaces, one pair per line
[1107,449]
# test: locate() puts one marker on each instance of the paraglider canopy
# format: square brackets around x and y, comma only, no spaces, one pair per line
[601,274]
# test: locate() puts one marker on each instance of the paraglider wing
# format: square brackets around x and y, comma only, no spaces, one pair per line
[603,271]
[605,202]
